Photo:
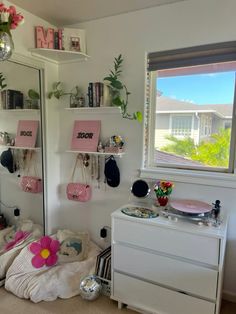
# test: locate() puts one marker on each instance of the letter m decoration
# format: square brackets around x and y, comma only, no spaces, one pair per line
[44,38]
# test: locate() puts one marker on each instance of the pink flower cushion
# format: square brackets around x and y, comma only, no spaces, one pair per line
[20,236]
[45,251]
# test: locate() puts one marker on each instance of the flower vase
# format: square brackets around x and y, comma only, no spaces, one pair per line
[162,200]
[6,45]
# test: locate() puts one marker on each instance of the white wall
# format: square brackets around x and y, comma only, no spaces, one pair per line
[184,24]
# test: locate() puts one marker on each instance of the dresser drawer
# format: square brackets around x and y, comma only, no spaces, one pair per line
[178,243]
[155,299]
[180,275]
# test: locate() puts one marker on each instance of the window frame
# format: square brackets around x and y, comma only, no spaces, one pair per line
[208,176]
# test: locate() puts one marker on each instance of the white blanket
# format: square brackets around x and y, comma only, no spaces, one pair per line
[7,257]
[48,283]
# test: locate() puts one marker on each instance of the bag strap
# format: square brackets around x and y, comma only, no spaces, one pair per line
[29,161]
[74,168]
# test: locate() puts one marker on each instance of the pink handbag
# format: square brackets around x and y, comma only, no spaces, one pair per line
[78,192]
[31,184]
[75,191]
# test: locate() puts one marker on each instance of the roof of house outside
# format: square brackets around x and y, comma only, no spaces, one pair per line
[163,157]
[170,105]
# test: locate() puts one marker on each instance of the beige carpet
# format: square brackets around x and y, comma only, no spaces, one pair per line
[9,304]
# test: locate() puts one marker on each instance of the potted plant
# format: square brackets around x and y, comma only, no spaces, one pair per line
[33,101]
[162,190]
[119,91]
[76,98]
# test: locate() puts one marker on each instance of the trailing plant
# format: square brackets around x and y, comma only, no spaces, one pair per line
[119,91]
[2,83]
[58,92]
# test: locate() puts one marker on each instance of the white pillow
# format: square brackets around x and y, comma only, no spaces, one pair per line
[73,246]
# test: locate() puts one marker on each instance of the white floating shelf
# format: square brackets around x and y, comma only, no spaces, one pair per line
[96,153]
[18,147]
[58,56]
[108,110]
[19,110]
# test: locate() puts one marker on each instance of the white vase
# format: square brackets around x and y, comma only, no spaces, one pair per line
[106,101]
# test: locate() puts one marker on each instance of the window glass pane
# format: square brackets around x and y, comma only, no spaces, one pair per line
[193,117]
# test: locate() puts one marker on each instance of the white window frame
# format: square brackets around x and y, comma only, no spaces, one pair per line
[150,171]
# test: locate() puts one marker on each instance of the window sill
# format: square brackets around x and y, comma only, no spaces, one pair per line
[225,180]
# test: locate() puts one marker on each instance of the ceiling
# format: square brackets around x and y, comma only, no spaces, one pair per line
[61,12]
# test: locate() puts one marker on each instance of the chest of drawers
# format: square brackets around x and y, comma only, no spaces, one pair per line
[165,267]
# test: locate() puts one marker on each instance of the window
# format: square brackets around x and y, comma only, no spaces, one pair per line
[189,118]
[181,125]
[206,125]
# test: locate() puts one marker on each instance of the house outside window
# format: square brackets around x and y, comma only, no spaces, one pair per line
[184,131]
[206,125]
[181,125]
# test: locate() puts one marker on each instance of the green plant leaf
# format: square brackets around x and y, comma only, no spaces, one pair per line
[117,101]
[33,94]
[139,116]
[56,85]
[117,84]
[108,78]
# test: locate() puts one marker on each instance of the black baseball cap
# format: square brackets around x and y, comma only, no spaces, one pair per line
[7,160]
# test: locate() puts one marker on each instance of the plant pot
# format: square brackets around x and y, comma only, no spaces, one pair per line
[162,200]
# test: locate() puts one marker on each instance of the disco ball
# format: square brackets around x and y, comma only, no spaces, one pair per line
[6,46]
[90,288]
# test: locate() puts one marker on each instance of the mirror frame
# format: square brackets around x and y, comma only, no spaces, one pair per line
[33,63]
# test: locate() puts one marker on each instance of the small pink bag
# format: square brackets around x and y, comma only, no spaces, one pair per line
[31,184]
[78,192]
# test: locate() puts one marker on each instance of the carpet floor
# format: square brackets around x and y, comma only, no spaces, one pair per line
[10,304]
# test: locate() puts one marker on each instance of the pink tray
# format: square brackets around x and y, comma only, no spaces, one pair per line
[191,206]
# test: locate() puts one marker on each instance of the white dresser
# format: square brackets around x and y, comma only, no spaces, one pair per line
[166,267]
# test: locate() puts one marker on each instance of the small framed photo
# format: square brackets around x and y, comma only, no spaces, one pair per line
[75,43]
[74,39]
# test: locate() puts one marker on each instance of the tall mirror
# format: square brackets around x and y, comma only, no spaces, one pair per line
[21,153]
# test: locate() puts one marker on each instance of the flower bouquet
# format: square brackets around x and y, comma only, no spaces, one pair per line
[9,19]
[162,190]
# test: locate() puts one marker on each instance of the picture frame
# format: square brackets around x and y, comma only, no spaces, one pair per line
[74,40]
[27,132]
[85,135]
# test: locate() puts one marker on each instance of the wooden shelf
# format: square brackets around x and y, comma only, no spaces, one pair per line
[96,153]
[18,147]
[58,56]
[109,110]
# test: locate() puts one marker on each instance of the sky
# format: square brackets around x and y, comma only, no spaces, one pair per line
[211,88]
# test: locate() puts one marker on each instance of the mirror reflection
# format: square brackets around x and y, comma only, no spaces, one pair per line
[21,172]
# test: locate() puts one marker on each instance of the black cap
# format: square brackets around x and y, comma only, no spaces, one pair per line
[7,160]
[112,172]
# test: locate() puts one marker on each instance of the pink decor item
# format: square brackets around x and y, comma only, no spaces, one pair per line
[44,38]
[45,251]
[26,133]
[86,135]
[191,206]
[20,236]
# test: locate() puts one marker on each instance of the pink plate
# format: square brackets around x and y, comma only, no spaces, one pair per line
[191,206]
